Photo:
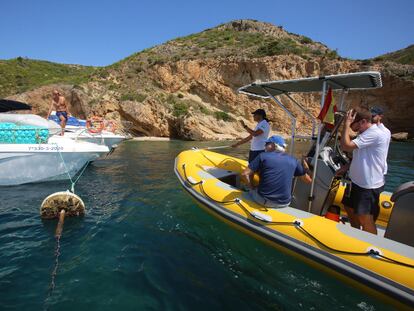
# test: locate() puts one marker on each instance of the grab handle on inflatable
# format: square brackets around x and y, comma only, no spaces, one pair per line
[211,148]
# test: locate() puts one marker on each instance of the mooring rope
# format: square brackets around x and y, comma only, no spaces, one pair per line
[298,225]
[52,283]
[72,183]
[55,268]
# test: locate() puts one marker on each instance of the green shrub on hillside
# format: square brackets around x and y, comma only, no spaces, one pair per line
[204,110]
[305,40]
[171,100]
[180,108]
[332,54]
[21,74]
[224,40]
[279,47]
[222,115]
[133,97]
[317,52]
[367,62]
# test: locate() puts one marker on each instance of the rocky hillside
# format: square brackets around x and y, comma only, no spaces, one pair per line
[186,88]
[403,56]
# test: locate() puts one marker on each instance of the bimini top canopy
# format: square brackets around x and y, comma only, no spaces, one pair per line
[350,81]
[11,105]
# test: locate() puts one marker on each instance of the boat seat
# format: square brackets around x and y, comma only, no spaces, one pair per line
[217,172]
[401,224]
[229,177]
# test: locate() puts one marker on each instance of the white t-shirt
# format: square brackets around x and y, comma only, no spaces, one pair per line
[369,159]
[387,132]
[258,142]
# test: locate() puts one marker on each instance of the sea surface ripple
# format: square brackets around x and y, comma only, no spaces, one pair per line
[145,245]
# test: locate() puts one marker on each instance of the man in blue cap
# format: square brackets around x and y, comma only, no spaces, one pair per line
[276,170]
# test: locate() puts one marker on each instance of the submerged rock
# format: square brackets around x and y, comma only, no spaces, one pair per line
[402,136]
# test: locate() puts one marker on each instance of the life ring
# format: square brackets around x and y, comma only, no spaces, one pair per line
[90,125]
[110,126]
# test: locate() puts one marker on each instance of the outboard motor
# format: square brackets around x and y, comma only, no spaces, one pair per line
[401,224]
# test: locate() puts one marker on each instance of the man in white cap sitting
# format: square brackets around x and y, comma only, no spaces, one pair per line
[276,170]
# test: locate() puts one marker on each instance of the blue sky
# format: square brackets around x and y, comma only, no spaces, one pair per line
[92,32]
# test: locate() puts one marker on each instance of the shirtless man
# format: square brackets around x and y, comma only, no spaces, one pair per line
[61,108]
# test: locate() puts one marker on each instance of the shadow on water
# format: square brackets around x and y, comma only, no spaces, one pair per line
[144,244]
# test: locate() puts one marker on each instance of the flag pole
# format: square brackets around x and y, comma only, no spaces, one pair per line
[316,155]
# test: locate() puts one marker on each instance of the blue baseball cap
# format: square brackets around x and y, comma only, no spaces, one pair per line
[376,111]
[277,140]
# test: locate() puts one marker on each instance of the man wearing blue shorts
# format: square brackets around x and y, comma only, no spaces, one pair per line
[60,106]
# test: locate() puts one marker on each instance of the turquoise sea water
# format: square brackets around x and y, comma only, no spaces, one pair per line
[145,245]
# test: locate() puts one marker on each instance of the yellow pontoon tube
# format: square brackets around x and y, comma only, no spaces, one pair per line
[213,181]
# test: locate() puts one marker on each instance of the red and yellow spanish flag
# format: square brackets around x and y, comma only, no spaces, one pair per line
[327,114]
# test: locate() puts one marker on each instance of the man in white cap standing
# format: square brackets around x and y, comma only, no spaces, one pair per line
[258,136]
[276,169]
[367,169]
[377,115]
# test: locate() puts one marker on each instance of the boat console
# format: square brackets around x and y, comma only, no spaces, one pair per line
[322,187]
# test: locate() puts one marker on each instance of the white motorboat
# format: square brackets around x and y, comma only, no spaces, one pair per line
[103,133]
[31,152]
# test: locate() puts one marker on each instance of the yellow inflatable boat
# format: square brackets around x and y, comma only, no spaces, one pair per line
[213,181]
[382,264]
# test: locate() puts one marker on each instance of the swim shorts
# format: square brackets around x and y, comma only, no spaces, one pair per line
[62,113]
[363,201]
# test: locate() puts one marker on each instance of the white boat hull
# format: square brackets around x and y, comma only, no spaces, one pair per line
[28,163]
[106,138]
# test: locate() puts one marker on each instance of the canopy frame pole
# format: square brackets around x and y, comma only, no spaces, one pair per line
[341,105]
[343,95]
[292,118]
[305,112]
[316,155]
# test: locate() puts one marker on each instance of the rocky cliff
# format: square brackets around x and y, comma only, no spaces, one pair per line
[186,88]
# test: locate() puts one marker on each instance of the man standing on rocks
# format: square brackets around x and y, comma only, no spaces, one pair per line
[258,136]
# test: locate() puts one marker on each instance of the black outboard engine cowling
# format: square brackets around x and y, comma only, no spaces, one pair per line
[401,223]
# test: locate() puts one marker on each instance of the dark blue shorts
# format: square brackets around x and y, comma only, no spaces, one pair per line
[63,114]
[253,154]
[362,201]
